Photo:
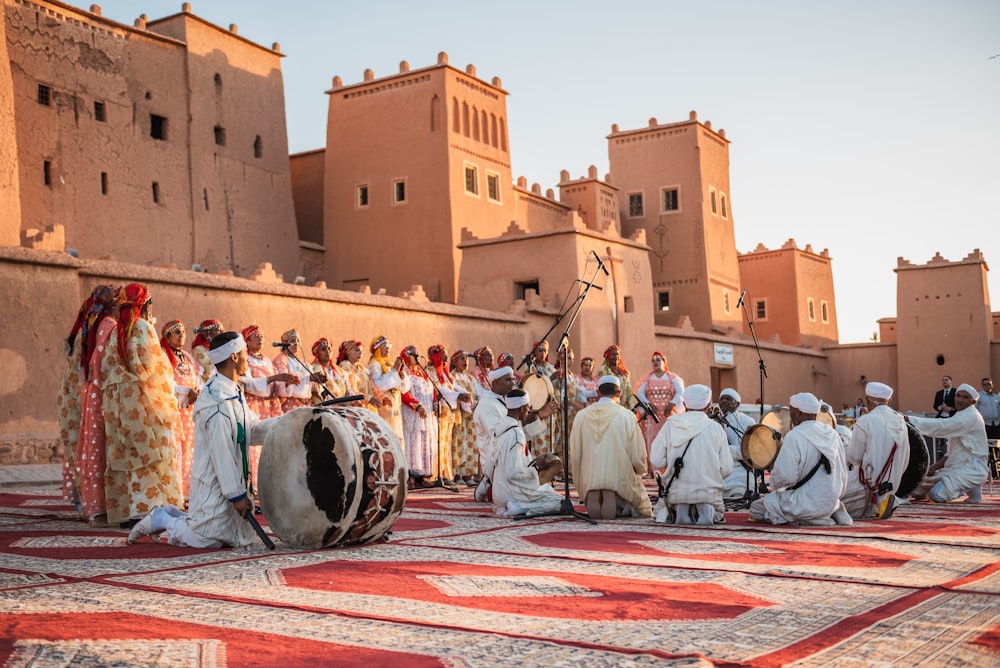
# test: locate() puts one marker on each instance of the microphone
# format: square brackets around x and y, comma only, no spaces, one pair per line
[742,296]
[279,344]
[600,263]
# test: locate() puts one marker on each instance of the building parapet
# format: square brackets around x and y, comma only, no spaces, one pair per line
[467,78]
[975,257]
[656,131]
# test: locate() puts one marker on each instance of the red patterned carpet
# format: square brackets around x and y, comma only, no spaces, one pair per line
[456,586]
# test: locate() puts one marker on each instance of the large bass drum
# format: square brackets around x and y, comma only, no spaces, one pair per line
[331,476]
[920,461]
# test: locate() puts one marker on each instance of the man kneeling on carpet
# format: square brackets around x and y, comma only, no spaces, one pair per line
[695,451]
[224,427]
[516,489]
[809,474]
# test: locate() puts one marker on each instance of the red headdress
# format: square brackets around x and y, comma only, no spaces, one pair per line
[455,356]
[620,369]
[436,355]
[100,302]
[657,352]
[479,358]
[346,348]
[249,330]
[505,359]
[539,344]
[206,326]
[168,329]
[319,344]
[131,300]
[414,368]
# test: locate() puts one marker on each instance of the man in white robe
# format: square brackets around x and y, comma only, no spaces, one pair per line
[964,469]
[878,453]
[224,428]
[516,489]
[735,424]
[696,485]
[809,474]
[608,456]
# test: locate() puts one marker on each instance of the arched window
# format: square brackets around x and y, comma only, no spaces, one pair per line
[494,132]
[456,123]
[465,119]
[486,129]
[435,114]
[503,136]
[475,124]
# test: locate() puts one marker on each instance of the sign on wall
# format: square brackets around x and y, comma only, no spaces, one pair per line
[724,354]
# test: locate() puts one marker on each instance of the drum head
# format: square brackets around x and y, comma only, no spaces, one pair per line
[920,461]
[539,389]
[778,418]
[549,465]
[760,446]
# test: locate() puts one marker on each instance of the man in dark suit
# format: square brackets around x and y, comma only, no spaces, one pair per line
[944,400]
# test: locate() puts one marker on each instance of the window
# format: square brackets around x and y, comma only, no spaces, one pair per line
[220,135]
[725,301]
[493,187]
[156,192]
[663,301]
[471,180]
[399,191]
[760,309]
[258,147]
[635,205]
[104,183]
[824,311]
[725,209]
[712,200]
[44,95]
[362,196]
[99,113]
[671,200]
[629,304]
[47,172]
[218,82]
[521,288]
[157,127]
[811,306]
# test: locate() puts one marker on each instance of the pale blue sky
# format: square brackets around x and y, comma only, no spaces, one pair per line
[871,128]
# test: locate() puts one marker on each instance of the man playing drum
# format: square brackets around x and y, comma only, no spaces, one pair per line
[735,424]
[809,473]
[224,427]
[878,453]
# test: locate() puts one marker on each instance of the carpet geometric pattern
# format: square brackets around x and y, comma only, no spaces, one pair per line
[456,586]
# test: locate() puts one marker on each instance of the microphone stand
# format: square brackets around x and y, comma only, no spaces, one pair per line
[439,483]
[322,386]
[755,494]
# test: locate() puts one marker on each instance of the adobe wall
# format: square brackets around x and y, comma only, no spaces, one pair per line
[815,281]
[770,277]
[594,200]
[43,291]
[307,191]
[10,198]
[535,212]
[854,365]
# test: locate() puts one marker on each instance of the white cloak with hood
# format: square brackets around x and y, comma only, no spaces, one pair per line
[707,464]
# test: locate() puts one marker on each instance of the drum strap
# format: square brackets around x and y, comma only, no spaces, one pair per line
[886,468]
[678,465]
[824,462]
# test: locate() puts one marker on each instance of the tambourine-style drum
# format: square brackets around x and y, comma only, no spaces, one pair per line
[549,465]
[331,476]
[779,418]
[759,446]
[539,389]
[916,468]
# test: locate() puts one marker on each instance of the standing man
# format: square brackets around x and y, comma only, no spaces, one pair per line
[224,427]
[989,407]
[944,400]
[608,456]
[735,424]
[964,467]
[809,474]
[879,452]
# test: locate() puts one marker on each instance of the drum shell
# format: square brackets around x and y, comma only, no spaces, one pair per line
[920,461]
[779,418]
[319,477]
[539,388]
[760,438]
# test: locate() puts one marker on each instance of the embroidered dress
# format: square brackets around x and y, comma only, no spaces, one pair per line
[261,396]
[293,396]
[187,376]
[336,381]
[140,416]
[659,392]
[464,455]
[68,404]
[420,435]
[91,448]
[360,383]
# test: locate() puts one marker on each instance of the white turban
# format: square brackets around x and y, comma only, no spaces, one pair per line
[878,391]
[697,397]
[968,388]
[222,353]
[516,401]
[730,392]
[609,380]
[805,402]
[500,372]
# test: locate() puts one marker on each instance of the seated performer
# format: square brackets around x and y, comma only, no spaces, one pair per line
[694,450]
[963,470]
[878,453]
[516,489]
[735,424]
[224,428]
[809,474]
[608,457]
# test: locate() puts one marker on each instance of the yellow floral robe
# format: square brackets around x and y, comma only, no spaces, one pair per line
[464,454]
[140,415]
[68,403]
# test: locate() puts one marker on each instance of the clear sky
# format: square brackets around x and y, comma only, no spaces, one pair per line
[868,127]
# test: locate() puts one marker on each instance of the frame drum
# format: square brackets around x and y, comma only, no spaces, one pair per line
[331,476]
[779,418]
[549,465]
[539,389]
[916,469]
[760,446]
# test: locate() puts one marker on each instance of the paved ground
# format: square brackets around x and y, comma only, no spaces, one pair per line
[30,475]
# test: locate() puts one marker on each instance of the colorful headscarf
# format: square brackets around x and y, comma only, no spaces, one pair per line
[479,358]
[100,302]
[131,300]
[666,367]
[505,359]
[620,368]
[289,335]
[346,348]
[436,355]
[200,340]
[415,368]
[377,355]
[537,345]
[455,356]
[249,330]
[167,330]
[319,344]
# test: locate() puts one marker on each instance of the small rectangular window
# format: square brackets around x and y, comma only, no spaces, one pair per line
[725,301]
[671,200]
[811,307]
[712,199]
[725,209]
[471,180]
[362,196]
[99,114]
[521,288]
[156,192]
[398,191]
[493,187]
[663,301]
[104,183]
[258,147]
[44,95]
[47,172]
[220,135]
[760,309]
[157,127]
[635,205]
[824,311]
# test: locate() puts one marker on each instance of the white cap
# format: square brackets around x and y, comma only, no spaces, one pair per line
[499,372]
[610,379]
[968,388]
[222,353]
[805,402]
[697,397]
[878,391]
[730,392]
